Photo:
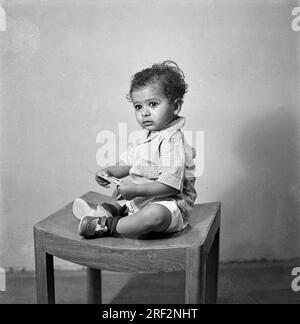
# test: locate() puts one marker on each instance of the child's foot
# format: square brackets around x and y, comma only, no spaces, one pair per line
[92,221]
[91,227]
[81,209]
[96,222]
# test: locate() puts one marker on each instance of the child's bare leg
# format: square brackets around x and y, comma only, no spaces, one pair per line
[151,218]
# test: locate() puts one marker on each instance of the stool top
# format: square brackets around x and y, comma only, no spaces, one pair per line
[64,224]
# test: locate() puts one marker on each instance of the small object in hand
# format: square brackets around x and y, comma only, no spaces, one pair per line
[109,178]
[100,180]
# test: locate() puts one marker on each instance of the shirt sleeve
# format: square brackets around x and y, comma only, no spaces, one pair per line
[172,157]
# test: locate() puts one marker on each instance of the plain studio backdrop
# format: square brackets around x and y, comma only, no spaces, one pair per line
[65,71]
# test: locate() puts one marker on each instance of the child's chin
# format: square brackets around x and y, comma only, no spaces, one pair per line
[151,128]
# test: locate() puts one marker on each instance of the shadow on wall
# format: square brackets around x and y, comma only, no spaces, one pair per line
[262,210]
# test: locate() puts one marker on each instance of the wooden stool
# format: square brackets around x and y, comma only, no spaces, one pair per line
[195,250]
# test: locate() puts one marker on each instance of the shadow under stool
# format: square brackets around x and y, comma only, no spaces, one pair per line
[195,250]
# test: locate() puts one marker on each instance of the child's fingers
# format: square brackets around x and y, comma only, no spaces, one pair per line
[116,194]
[107,172]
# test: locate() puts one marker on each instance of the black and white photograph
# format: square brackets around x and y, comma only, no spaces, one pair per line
[149,154]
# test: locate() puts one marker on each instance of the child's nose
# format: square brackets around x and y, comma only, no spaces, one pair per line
[145,111]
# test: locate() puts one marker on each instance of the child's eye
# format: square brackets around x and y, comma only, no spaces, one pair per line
[137,107]
[153,104]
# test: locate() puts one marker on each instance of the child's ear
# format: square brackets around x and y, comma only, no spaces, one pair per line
[177,106]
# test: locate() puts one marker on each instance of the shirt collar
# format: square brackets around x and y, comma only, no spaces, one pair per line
[167,132]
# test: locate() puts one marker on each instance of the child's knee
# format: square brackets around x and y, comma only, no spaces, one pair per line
[157,217]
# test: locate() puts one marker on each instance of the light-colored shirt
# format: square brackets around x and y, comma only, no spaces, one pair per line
[164,156]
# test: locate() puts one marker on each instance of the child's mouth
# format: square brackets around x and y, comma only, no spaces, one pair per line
[147,123]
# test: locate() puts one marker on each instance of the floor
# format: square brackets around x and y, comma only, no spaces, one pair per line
[239,283]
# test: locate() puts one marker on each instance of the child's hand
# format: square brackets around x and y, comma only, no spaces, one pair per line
[127,189]
[102,182]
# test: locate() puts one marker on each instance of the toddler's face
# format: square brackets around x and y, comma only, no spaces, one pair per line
[152,108]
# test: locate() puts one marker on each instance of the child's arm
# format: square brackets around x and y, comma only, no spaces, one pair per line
[156,189]
[117,171]
[130,190]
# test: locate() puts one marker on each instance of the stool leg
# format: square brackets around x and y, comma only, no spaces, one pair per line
[194,276]
[212,271]
[44,272]
[94,289]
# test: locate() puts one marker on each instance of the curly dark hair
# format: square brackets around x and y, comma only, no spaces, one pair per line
[167,74]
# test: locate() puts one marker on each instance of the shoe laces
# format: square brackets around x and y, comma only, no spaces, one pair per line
[101,224]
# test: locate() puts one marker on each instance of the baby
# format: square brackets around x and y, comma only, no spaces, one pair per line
[159,194]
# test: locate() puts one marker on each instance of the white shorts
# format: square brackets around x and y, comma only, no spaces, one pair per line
[177,222]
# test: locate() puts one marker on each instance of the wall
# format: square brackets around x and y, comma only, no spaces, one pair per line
[65,69]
